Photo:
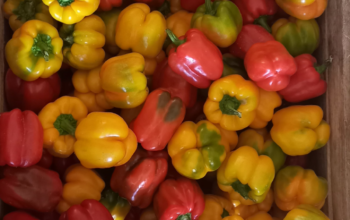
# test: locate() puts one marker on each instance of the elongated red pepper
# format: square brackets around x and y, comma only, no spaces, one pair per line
[87,210]
[19,216]
[270,65]
[196,58]
[160,116]
[179,199]
[106,5]
[138,179]
[21,138]
[306,83]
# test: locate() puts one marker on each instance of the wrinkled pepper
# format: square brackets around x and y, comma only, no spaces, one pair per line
[298,130]
[34,51]
[232,102]
[123,80]
[107,5]
[190,58]
[83,42]
[180,199]
[233,65]
[247,173]
[217,208]
[303,9]
[220,21]
[104,140]
[148,214]
[306,212]
[179,23]
[18,215]
[32,188]
[80,184]
[139,178]
[59,120]
[116,205]
[87,210]
[295,186]
[270,65]
[230,136]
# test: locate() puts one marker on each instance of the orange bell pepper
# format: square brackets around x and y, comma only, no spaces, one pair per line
[303,9]
[260,216]
[179,23]
[217,208]
[230,136]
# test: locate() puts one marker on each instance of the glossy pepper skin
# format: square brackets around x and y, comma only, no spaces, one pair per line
[34,51]
[107,5]
[218,208]
[303,10]
[32,188]
[220,21]
[32,95]
[196,149]
[19,215]
[190,58]
[233,65]
[80,184]
[59,120]
[20,11]
[25,149]
[270,65]
[232,102]
[87,210]
[123,80]
[158,120]
[300,129]
[179,199]
[116,205]
[306,83]
[141,30]
[179,23]
[83,43]
[247,173]
[139,178]
[306,212]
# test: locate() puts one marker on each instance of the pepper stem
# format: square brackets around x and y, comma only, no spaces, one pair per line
[64,3]
[174,39]
[262,21]
[323,67]
[184,217]
[65,124]
[165,8]
[26,10]
[225,214]
[42,46]
[229,106]
[209,8]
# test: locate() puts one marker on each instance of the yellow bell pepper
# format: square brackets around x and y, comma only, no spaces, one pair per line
[295,186]
[34,51]
[306,212]
[71,11]
[179,23]
[300,129]
[59,120]
[83,43]
[268,101]
[123,80]
[88,89]
[104,140]
[260,216]
[141,30]
[80,184]
[230,136]
[196,149]
[232,102]
[217,208]
[247,173]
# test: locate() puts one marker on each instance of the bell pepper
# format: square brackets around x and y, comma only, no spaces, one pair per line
[179,23]
[130,114]
[60,165]
[148,214]
[232,102]
[46,159]
[197,149]
[260,216]
[220,22]
[31,95]
[300,129]
[270,65]
[295,186]
[116,205]
[247,173]
[107,5]
[191,5]
[190,58]
[32,188]
[230,136]
[250,35]
[21,139]
[87,210]
[139,178]
[306,212]
[193,112]
[217,207]
[152,3]
[83,43]
[233,65]
[303,9]
[306,83]
[80,184]
[180,199]
[19,215]
[34,51]
[123,80]
[133,30]
[59,120]
[175,6]
[158,120]
[88,89]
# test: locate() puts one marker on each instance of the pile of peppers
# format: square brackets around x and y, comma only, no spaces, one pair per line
[163,110]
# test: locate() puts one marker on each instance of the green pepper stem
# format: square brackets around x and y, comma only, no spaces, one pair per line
[26,10]
[42,46]
[165,8]
[229,106]
[323,67]
[65,3]
[262,21]
[65,124]
[184,217]
[209,8]
[174,39]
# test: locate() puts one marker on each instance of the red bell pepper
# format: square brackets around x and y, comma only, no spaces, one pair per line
[21,138]
[32,95]
[158,120]
[33,188]
[178,199]
[107,5]
[138,179]
[306,83]
[152,3]
[193,113]
[165,78]
[270,65]
[87,210]
[250,34]
[46,159]
[196,58]
[18,215]
[191,5]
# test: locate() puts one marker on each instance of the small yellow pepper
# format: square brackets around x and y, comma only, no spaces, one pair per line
[179,23]
[217,208]
[306,212]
